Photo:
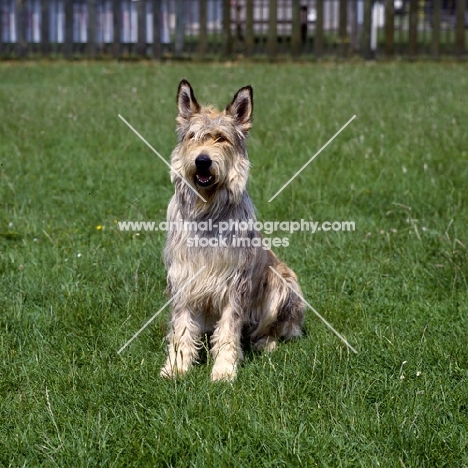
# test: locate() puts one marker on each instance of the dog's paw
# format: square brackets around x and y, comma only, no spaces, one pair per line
[267,344]
[223,371]
[167,372]
[171,372]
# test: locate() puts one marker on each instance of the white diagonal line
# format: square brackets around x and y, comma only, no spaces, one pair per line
[313,310]
[160,310]
[312,158]
[163,160]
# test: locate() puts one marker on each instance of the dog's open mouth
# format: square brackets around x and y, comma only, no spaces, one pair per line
[204,180]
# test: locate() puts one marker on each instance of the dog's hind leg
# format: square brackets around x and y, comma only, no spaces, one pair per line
[184,343]
[282,310]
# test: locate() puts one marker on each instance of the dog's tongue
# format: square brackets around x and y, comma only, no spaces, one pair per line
[204,179]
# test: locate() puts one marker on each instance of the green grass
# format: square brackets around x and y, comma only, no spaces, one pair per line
[72,294]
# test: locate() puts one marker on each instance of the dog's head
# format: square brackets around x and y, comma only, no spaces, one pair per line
[211,153]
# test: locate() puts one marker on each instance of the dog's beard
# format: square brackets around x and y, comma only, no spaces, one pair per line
[221,183]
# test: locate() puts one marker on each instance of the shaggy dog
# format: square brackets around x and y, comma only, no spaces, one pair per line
[221,278]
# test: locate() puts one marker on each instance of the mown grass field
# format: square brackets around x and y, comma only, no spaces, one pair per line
[74,289]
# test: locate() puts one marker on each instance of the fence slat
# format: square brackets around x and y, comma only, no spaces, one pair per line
[389,28]
[354,26]
[227,36]
[413,29]
[436,20]
[249,29]
[20,48]
[141,22]
[179,28]
[1,29]
[202,34]
[45,31]
[296,28]
[116,28]
[272,28]
[91,47]
[366,30]
[460,27]
[68,46]
[157,30]
[342,28]
[318,39]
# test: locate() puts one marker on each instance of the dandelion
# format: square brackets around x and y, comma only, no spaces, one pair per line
[99,227]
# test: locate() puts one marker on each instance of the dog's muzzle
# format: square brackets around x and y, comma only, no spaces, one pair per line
[203,176]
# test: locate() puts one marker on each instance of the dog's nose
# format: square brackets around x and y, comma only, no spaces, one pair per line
[203,162]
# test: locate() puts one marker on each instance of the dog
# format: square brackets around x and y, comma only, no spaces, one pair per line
[237,294]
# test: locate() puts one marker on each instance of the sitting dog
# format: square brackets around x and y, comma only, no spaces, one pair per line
[217,283]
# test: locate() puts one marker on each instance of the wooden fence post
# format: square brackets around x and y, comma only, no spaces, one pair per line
[227,36]
[45,31]
[91,48]
[249,28]
[68,46]
[157,30]
[272,28]
[179,28]
[296,28]
[460,6]
[342,28]
[413,29]
[389,28]
[21,45]
[318,39]
[366,30]
[116,26]
[141,25]
[436,20]
[1,30]
[353,21]
[202,33]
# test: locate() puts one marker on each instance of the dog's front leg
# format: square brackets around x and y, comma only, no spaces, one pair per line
[183,340]
[226,349]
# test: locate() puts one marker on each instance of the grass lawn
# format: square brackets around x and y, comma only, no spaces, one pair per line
[74,289]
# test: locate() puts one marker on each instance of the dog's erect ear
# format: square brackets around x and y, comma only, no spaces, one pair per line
[241,108]
[186,101]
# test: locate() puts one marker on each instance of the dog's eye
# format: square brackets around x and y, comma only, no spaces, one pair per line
[220,139]
[191,136]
